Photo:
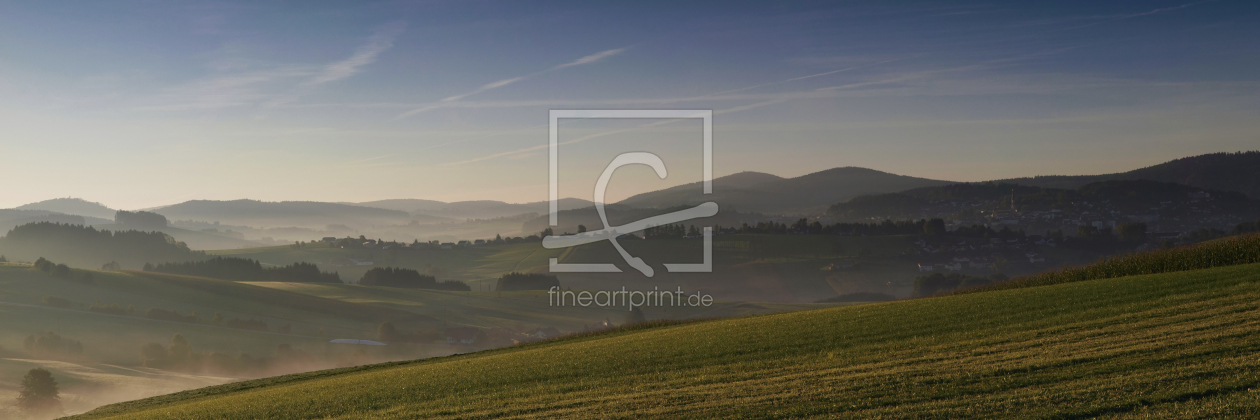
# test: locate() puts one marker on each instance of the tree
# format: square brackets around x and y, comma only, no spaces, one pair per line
[934,227]
[40,393]
[1132,232]
[387,333]
[153,355]
[181,351]
[3,259]
[547,232]
[635,316]
[581,228]
[44,265]
[111,266]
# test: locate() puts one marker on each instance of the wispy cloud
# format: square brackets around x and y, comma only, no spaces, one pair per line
[1134,15]
[593,58]
[230,86]
[366,54]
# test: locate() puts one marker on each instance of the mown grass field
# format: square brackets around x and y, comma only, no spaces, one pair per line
[1154,346]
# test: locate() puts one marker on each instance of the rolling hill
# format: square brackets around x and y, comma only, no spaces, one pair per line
[764,193]
[1238,172]
[282,214]
[476,209]
[74,206]
[1154,346]
[10,218]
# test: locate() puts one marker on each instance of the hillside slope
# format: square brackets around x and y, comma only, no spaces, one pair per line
[1238,172]
[756,192]
[1169,345]
[285,213]
[75,206]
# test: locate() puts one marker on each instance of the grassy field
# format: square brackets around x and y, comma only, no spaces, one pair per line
[1154,346]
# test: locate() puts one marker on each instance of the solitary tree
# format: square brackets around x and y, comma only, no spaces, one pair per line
[3,259]
[581,228]
[386,332]
[39,394]
[153,355]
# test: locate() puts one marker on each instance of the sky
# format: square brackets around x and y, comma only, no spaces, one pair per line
[137,104]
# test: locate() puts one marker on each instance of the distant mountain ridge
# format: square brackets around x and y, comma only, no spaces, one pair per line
[1239,172]
[765,193]
[475,209]
[282,213]
[72,206]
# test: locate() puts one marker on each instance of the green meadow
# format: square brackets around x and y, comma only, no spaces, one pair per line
[1151,346]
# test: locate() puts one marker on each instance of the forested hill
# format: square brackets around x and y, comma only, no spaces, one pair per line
[764,193]
[1136,197]
[87,247]
[1239,172]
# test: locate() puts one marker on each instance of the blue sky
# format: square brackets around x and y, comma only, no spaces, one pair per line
[139,104]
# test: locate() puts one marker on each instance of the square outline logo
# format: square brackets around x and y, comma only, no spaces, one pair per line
[610,232]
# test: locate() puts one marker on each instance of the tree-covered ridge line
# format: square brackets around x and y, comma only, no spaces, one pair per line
[1128,196]
[85,246]
[241,269]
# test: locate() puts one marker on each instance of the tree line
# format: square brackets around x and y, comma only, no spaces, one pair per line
[408,279]
[85,246]
[241,269]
